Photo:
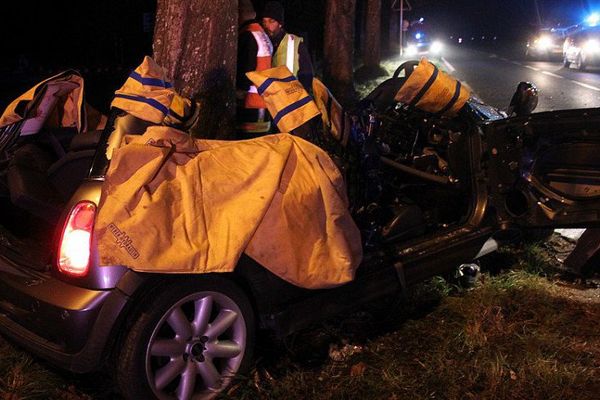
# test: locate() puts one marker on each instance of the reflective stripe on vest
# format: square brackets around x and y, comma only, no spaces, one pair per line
[263,62]
[287,53]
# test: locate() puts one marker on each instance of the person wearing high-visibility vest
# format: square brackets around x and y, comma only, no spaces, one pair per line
[288,49]
[254,54]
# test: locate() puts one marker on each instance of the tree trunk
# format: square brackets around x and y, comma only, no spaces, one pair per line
[338,49]
[372,49]
[196,42]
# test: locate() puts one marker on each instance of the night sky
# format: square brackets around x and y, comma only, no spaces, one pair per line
[502,18]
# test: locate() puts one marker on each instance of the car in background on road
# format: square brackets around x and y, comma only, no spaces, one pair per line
[581,49]
[546,44]
[420,41]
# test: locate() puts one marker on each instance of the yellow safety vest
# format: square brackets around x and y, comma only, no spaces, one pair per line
[287,53]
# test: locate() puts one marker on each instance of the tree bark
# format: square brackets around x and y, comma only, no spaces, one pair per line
[372,49]
[338,49]
[196,42]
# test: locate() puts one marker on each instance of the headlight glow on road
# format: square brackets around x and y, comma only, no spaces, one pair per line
[436,47]
[592,46]
[544,42]
[411,50]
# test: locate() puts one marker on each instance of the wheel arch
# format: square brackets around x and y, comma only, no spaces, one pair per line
[140,287]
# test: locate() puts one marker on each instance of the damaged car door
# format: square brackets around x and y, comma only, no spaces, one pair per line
[543,170]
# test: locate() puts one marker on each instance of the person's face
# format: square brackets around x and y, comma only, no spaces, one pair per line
[271,26]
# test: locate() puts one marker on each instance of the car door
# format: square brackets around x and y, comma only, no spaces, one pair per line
[543,170]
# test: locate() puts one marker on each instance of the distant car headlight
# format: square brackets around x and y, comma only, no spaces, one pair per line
[436,47]
[544,42]
[592,46]
[411,50]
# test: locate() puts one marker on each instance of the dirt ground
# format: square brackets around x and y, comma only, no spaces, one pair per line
[584,287]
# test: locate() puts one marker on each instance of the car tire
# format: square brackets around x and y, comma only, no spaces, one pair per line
[566,62]
[188,340]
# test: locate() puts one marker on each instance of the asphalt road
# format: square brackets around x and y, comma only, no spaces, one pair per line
[494,77]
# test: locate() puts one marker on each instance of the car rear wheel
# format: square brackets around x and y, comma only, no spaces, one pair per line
[566,62]
[189,341]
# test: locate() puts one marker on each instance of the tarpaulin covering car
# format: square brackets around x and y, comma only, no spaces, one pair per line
[173,204]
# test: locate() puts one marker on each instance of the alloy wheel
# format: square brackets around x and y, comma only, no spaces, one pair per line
[196,347]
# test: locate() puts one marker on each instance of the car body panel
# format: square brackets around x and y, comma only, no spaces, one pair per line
[582,48]
[544,170]
[546,44]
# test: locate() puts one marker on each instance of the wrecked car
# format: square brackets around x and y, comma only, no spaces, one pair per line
[427,190]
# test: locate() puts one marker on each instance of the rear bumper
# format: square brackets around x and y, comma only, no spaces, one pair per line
[65,324]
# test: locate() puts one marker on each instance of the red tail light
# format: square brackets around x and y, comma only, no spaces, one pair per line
[76,240]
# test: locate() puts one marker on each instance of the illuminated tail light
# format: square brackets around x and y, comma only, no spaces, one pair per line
[76,240]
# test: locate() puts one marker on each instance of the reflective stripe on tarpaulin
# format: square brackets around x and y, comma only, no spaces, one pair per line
[150,81]
[263,87]
[432,90]
[150,102]
[287,101]
[146,94]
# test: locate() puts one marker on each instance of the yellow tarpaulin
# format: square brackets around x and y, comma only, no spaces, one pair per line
[70,110]
[175,204]
[287,101]
[432,90]
[146,94]
[332,112]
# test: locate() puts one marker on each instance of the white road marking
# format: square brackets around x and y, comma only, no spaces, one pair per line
[449,66]
[515,62]
[552,74]
[493,56]
[585,85]
[532,68]
[504,59]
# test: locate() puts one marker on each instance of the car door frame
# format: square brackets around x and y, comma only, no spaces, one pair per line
[543,171]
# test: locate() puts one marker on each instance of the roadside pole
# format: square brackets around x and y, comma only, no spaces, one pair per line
[401,27]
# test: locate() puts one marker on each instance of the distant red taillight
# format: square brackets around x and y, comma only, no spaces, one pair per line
[76,240]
